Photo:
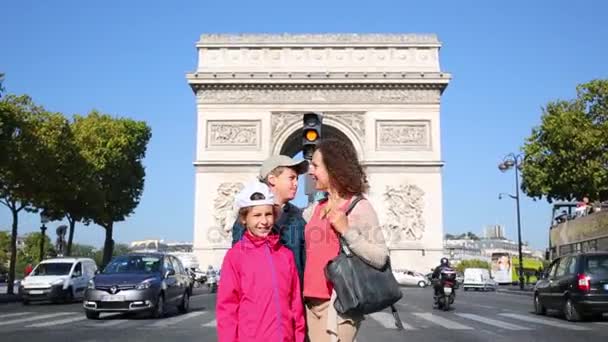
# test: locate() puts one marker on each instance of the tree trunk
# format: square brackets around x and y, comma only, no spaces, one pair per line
[11,272]
[108,245]
[71,236]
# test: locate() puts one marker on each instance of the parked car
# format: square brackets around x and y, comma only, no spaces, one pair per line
[478,279]
[575,284]
[139,282]
[58,279]
[411,278]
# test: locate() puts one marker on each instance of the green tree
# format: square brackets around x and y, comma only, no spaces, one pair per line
[83,251]
[31,249]
[114,148]
[473,263]
[73,192]
[119,249]
[5,247]
[1,83]
[566,157]
[20,166]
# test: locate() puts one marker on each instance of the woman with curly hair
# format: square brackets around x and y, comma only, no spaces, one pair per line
[336,170]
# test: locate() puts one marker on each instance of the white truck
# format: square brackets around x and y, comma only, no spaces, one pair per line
[478,279]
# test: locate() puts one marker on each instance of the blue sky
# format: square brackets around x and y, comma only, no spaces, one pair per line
[129,58]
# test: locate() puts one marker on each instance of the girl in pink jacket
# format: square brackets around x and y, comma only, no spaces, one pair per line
[259,296]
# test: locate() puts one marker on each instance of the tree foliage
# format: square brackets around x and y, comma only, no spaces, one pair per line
[31,249]
[566,157]
[473,263]
[114,149]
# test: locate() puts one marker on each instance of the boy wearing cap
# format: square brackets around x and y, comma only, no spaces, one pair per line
[259,296]
[281,173]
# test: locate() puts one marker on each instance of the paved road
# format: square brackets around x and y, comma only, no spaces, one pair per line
[476,316]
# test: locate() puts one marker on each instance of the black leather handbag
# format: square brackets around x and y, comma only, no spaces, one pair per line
[361,288]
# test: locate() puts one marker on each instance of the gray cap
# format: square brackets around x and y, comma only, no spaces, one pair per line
[301,166]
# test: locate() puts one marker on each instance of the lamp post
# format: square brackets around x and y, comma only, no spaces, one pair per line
[515,161]
[43,219]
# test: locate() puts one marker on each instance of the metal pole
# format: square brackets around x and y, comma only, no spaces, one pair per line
[42,229]
[521,268]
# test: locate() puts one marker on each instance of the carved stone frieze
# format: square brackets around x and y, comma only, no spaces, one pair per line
[233,133]
[224,210]
[353,38]
[356,121]
[280,121]
[307,96]
[402,135]
[404,213]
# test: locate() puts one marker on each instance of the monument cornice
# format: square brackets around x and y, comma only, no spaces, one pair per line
[319,77]
[318,40]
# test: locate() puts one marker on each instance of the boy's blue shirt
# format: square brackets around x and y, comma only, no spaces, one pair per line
[291,231]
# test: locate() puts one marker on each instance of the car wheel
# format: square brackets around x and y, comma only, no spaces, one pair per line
[421,284]
[159,309]
[539,308]
[184,306]
[69,296]
[571,312]
[92,314]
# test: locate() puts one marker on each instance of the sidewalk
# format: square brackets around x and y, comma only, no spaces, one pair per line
[510,289]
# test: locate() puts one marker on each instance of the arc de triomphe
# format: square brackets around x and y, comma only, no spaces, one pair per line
[380,92]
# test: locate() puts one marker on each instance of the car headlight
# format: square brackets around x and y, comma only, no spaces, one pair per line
[143,285]
[91,285]
[57,282]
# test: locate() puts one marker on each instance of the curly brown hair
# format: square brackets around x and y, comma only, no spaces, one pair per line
[346,175]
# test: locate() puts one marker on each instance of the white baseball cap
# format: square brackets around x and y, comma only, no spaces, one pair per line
[254,193]
[300,166]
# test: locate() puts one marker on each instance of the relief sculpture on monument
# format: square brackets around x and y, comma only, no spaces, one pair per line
[224,210]
[404,213]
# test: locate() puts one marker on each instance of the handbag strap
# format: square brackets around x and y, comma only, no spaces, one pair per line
[351,206]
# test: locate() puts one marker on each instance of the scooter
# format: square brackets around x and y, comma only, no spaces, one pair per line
[446,289]
[212,282]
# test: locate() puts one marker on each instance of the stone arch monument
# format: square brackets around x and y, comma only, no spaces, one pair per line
[382,92]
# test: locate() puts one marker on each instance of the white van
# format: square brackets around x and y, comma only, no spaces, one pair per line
[58,279]
[478,278]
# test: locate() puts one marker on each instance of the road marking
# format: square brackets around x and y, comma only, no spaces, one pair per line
[493,322]
[59,322]
[446,323]
[212,324]
[13,314]
[36,318]
[544,321]
[388,320]
[107,323]
[176,319]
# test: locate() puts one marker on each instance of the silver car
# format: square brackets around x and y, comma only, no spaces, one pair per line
[139,282]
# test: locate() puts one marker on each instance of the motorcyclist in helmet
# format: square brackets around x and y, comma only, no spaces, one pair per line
[444,264]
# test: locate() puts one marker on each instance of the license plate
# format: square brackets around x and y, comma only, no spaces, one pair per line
[447,290]
[114,299]
[36,292]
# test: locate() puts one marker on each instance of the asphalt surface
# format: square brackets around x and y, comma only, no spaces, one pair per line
[476,316]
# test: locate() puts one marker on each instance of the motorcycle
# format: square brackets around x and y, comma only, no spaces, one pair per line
[198,278]
[212,281]
[445,289]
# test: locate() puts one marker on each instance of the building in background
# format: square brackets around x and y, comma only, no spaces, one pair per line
[495,231]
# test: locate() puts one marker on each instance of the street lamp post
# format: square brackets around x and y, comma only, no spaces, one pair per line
[43,219]
[515,161]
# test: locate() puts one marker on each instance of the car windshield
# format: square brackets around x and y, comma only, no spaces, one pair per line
[53,269]
[134,264]
[597,264]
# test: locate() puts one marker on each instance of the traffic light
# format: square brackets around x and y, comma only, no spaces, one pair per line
[311,133]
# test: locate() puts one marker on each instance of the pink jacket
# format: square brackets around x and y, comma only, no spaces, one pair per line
[259,296]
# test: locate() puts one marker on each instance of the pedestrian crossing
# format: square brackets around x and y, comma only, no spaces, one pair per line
[412,321]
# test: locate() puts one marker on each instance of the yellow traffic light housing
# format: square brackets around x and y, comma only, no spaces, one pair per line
[311,133]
